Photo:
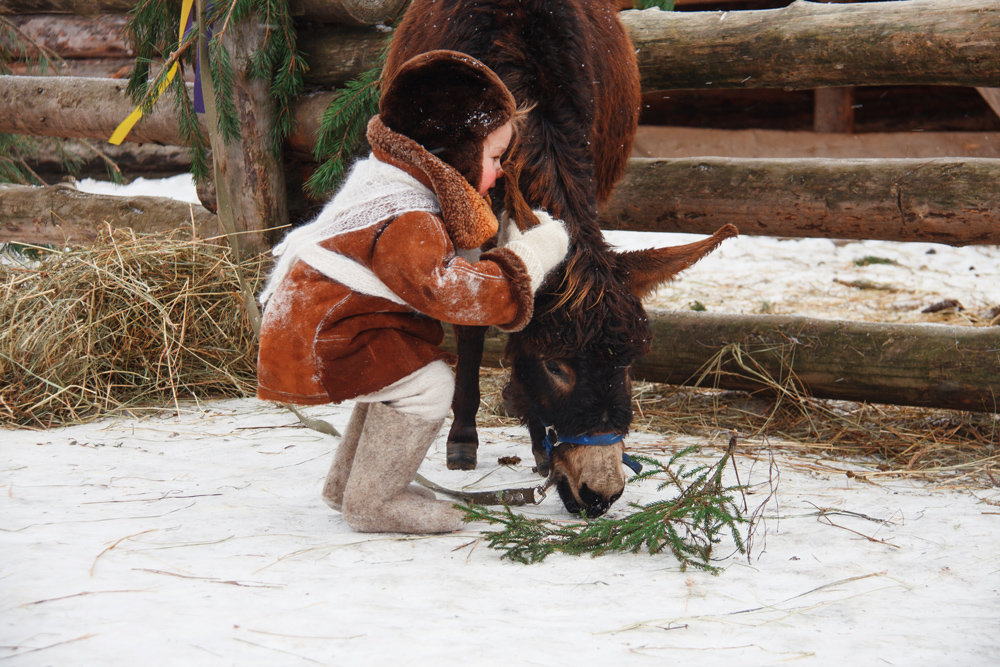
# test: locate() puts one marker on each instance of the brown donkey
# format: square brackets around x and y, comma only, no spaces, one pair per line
[571,62]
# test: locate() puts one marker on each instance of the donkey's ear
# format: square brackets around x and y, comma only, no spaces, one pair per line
[647,269]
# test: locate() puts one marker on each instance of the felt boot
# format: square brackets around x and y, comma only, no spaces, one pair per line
[378,498]
[343,459]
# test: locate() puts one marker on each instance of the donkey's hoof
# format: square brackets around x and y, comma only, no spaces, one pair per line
[462,455]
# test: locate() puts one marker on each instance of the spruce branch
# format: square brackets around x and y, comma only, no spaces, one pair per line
[342,129]
[689,525]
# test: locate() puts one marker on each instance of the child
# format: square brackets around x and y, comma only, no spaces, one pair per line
[354,305]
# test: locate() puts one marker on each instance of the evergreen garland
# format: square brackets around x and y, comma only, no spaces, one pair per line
[152,31]
[343,129]
[688,525]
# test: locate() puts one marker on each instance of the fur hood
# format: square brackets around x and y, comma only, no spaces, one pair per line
[448,102]
[468,216]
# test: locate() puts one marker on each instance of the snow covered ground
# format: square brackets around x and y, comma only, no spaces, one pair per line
[199,537]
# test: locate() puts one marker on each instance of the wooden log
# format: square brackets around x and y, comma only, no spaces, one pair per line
[101,36]
[803,46]
[945,200]
[816,45]
[352,12]
[91,108]
[61,215]
[927,365]
[358,12]
[82,108]
[340,53]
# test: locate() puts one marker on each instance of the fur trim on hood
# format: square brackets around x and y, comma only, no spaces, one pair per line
[467,215]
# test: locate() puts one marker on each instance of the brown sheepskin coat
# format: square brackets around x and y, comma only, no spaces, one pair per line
[322,342]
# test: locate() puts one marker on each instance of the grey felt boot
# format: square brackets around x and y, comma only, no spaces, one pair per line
[378,498]
[343,459]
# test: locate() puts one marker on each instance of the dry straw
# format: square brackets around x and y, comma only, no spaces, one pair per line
[134,320]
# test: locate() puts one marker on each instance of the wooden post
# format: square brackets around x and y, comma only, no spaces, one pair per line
[249,173]
[834,110]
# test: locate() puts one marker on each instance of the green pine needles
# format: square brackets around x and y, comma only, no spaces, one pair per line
[689,525]
[343,128]
[153,30]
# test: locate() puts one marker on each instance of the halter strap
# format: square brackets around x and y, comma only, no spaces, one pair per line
[552,439]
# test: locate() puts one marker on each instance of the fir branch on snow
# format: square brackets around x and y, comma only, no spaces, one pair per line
[689,525]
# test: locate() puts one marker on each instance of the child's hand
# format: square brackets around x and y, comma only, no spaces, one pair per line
[541,248]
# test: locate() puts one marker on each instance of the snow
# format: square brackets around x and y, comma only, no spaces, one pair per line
[198,536]
[201,538]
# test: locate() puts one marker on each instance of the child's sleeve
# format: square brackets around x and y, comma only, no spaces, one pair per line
[415,259]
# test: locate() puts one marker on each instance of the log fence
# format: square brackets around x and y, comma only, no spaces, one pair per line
[806,45]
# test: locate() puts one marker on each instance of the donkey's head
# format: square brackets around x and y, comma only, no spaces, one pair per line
[570,366]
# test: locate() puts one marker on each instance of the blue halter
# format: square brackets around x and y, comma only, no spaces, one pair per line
[551,439]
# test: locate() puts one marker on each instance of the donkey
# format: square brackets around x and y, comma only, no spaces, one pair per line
[571,62]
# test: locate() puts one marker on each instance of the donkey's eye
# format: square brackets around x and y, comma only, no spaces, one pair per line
[555,368]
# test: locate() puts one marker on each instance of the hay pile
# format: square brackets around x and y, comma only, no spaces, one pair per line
[134,320]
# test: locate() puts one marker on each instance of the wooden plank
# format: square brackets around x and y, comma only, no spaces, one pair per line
[927,365]
[946,200]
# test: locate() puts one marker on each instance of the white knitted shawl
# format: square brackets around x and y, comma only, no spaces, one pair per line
[373,191]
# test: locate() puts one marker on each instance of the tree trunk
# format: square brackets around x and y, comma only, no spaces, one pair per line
[61,215]
[946,200]
[834,110]
[358,12]
[927,365]
[815,45]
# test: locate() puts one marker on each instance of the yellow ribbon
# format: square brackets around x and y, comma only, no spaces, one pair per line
[126,125]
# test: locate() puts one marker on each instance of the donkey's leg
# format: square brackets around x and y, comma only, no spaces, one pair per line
[463,440]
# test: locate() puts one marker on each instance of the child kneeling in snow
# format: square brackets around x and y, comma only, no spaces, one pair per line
[355,303]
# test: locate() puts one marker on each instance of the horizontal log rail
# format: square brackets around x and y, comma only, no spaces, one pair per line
[358,12]
[815,45]
[939,200]
[944,200]
[91,108]
[803,46]
[60,215]
[927,365]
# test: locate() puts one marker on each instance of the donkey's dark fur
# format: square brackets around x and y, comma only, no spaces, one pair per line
[571,61]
